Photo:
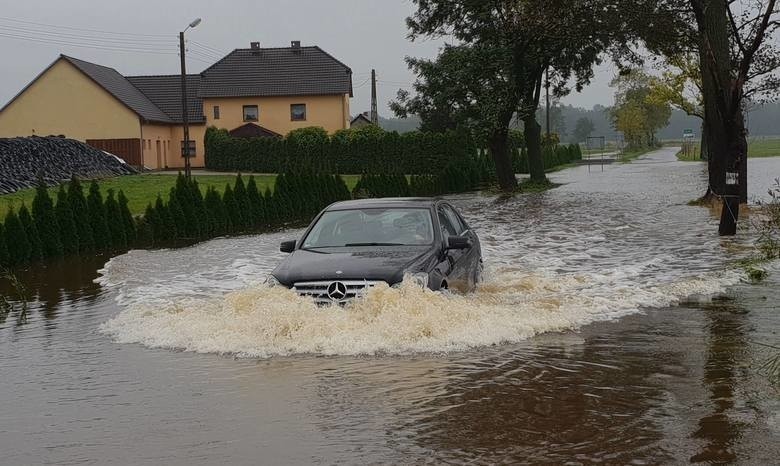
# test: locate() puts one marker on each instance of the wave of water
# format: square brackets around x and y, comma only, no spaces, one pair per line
[512,305]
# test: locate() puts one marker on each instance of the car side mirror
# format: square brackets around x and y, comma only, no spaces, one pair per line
[287,246]
[458,242]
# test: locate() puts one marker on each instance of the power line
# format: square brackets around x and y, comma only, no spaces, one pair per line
[209,48]
[83,38]
[45,40]
[363,83]
[14,20]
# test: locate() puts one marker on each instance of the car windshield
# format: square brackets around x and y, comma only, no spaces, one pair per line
[371,227]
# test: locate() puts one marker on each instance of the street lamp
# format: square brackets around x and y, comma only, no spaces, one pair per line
[185,150]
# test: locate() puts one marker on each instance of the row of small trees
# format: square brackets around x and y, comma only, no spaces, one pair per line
[189,216]
[76,223]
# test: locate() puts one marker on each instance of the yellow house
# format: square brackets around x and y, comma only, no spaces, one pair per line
[250,92]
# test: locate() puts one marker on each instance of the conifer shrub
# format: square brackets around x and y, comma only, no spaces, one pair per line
[68,231]
[3,249]
[97,218]
[128,222]
[17,243]
[46,221]
[116,228]
[31,231]
[78,204]
[231,209]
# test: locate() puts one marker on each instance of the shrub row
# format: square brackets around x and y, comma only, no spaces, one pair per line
[74,224]
[357,150]
[463,174]
[552,156]
[242,208]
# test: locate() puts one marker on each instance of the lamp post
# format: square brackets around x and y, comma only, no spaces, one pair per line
[185,150]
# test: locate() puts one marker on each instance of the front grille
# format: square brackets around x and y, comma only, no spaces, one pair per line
[318,290]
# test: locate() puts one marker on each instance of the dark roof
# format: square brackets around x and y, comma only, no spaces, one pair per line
[282,71]
[118,86]
[361,118]
[251,130]
[385,202]
[165,92]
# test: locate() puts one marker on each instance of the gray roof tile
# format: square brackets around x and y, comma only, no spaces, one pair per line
[165,92]
[118,86]
[276,72]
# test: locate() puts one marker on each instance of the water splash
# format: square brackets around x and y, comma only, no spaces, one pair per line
[510,306]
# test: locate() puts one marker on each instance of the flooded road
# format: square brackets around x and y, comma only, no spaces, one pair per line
[612,327]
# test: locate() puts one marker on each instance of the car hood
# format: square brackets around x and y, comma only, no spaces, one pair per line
[361,263]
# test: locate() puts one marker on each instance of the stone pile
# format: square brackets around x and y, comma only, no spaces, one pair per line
[56,159]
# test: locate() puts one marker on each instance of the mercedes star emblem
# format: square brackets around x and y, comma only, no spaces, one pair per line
[337,291]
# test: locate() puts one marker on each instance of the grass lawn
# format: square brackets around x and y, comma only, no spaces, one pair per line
[143,189]
[757,147]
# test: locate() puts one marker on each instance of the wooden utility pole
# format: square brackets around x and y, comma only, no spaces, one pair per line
[374,114]
[185,149]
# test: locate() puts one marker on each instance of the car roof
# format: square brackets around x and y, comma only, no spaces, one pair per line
[385,202]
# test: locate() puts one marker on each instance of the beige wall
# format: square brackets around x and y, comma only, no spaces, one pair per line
[64,101]
[328,111]
[197,134]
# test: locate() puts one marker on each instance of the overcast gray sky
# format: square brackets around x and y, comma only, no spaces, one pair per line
[364,34]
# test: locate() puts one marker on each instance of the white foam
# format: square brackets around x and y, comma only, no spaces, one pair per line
[512,305]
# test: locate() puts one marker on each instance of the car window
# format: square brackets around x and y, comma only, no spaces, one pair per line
[371,227]
[454,218]
[447,229]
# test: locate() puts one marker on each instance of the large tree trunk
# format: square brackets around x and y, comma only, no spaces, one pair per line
[498,143]
[703,154]
[533,142]
[726,143]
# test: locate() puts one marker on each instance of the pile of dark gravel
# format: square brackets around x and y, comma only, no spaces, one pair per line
[56,159]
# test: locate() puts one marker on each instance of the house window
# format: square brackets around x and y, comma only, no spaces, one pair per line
[251,113]
[298,112]
[216,112]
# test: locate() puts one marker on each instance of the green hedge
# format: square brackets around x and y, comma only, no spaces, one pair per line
[552,156]
[75,224]
[358,150]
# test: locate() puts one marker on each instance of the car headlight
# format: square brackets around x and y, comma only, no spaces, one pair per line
[418,278]
[271,281]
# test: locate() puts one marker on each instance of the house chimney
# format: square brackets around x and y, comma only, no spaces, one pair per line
[295,45]
[254,45]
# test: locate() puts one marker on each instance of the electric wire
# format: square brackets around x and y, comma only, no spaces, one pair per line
[15,20]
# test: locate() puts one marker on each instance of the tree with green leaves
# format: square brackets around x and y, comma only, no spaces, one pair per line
[78,204]
[17,243]
[526,40]
[46,221]
[739,59]
[583,129]
[97,217]
[68,230]
[31,231]
[636,113]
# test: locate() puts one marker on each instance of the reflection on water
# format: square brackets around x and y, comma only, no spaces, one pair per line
[574,351]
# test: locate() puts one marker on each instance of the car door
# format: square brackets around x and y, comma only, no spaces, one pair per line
[458,274]
[472,257]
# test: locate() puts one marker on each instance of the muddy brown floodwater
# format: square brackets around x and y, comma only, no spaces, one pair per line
[612,327]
